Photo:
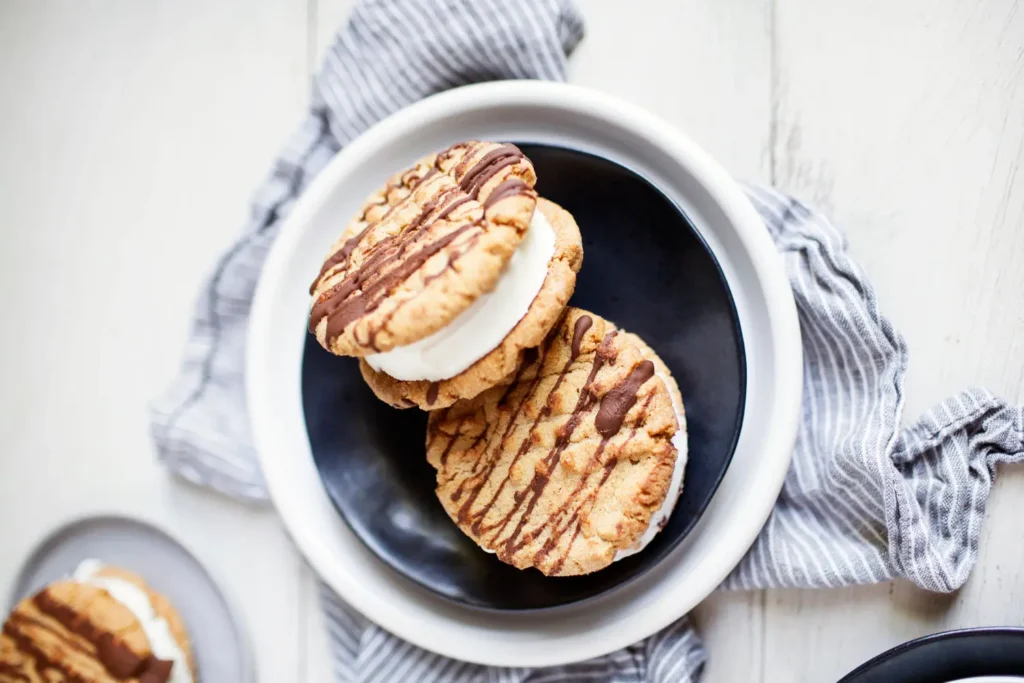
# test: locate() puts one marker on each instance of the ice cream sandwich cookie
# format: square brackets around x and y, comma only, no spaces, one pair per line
[102,625]
[448,274]
[575,463]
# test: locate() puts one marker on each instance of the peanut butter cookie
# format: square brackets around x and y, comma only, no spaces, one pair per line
[576,462]
[104,625]
[435,238]
[502,361]
[449,272]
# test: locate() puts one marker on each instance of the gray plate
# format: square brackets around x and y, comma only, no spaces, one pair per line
[221,649]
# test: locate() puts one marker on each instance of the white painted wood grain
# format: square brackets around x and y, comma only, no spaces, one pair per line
[317,663]
[905,122]
[702,65]
[330,15]
[731,625]
[132,134]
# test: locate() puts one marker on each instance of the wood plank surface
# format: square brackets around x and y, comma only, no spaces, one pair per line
[905,123]
[133,134]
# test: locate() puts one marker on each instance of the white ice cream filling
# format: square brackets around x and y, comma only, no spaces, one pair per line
[675,487]
[479,329]
[156,628]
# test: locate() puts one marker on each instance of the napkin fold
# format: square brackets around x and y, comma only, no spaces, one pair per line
[864,501]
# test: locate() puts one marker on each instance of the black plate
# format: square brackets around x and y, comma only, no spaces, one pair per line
[644,268]
[948,656]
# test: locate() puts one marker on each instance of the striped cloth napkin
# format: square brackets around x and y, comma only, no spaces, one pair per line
[864,500]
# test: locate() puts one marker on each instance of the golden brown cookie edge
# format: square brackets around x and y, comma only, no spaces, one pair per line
[403,317]
[500,364]
[648,498]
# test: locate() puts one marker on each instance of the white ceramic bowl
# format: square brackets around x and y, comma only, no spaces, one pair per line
[579,118]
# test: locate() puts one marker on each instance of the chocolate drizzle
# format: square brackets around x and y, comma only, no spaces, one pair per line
[351,243]
[557,533]
[341,255]
[446,211]
[512,187]
[116,657]
[340,310]
[448,449]
[487,167]
[464,513]
[583,323]
[14,629]
[546,467]
[119,661]
[432,393]
[617,402]
[13,673]
[362,291]
[159,671]
[529,359]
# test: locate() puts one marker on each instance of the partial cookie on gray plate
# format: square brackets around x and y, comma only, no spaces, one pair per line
[143,608]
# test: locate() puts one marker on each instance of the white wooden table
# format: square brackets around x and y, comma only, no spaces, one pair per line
[132,132]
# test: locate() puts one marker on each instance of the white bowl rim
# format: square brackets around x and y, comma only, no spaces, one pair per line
[430,624]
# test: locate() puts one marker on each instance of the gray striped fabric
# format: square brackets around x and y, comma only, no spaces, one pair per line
[864,501]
